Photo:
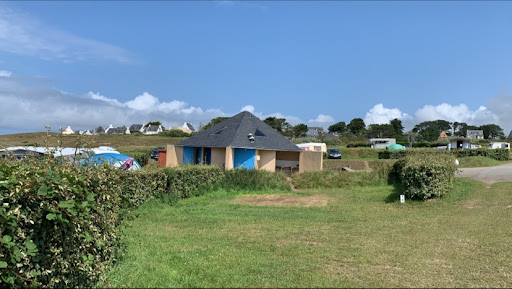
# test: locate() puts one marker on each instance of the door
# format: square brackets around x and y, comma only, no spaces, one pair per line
[245,158]
[207,156]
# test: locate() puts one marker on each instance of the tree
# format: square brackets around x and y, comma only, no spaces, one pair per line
[300,130]
[430,130]
[356,126]
[338,127]
[214,122]
[380,131]
[153,123]
[492,131]
[398,128]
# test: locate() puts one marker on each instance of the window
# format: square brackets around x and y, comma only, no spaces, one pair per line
[259,133]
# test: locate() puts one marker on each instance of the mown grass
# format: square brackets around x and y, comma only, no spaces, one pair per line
[363,237]
[479,161]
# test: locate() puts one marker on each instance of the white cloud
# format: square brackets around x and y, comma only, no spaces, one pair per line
[322,118]
[24,35]
[248,108]
[382,115]
[5,73]
[458,113]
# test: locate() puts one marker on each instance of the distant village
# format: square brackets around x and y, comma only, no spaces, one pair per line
[148,129]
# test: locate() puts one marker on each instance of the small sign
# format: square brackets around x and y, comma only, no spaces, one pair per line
[402,198]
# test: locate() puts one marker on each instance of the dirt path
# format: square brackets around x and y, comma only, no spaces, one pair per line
[487,175]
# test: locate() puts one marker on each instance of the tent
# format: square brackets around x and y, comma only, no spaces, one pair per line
[395,147]
[115,159]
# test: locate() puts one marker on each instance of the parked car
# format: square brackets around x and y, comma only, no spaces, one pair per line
[333,154]
[154,153]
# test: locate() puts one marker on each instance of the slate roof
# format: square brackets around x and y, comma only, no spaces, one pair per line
[234,132]
[189,126]
[117,130]
[510,135]
[136,127]
[152,128]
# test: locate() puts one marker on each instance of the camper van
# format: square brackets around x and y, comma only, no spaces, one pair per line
[313,147]
[499,145]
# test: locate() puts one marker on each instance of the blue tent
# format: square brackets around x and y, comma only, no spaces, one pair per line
[116,160]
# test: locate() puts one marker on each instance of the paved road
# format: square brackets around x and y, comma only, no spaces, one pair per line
[488,175]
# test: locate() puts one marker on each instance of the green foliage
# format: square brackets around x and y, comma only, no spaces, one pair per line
[339,179]
[192,180]
[356,126]
[174,133]
[359,145]
[59,224]
[425,176]
[339,127]
[213,122]
[300,130]
[254,180]
[496,154]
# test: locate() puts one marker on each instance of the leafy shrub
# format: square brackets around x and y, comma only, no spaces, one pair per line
[58,224]
[359,145]
[193,180]
[420,145]
[424,176]
[254,180]
[497,154]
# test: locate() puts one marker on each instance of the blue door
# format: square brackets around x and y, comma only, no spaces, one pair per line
[244,158]
[207,155]
[191,155]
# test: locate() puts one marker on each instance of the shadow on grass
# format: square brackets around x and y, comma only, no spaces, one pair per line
[395,195]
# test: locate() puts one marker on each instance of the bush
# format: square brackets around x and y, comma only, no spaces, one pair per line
[192,180]
[497,154]
[58,224]
[359,145]
[425,176]
[254,180]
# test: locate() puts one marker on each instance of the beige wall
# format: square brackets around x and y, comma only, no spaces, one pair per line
[287,156]
[310,161]
[171,159]
[229,162]
[218,156]
[267,160]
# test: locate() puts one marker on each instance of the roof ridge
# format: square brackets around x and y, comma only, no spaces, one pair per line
[237,127]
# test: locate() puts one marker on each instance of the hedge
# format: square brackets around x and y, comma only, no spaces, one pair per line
[497,154]
[59,225]
[425,176]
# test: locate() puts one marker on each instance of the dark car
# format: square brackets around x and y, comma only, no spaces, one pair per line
[154,153]
[333,154]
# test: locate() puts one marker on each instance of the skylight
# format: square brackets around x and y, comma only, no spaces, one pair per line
[259,133]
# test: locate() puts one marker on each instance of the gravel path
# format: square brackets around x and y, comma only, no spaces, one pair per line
[488,175]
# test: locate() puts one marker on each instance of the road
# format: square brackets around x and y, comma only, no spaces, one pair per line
[487,175]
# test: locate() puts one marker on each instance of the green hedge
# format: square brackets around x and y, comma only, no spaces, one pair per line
[424,176]
[59,225]
[497,154]
[254,180]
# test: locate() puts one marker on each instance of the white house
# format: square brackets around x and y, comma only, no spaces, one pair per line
[68,130]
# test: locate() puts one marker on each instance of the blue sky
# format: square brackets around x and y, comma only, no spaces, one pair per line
[91,63]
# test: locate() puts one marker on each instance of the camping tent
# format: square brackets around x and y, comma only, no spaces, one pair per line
[115,159]
[395,147]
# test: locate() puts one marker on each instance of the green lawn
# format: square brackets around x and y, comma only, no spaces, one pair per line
[362,237]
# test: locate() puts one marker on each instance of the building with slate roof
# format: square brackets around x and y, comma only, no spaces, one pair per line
[477,133]
[243,141]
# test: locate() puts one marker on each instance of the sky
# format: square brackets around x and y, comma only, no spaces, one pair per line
[94,63]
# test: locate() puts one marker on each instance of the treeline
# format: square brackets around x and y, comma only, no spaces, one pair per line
[424,131]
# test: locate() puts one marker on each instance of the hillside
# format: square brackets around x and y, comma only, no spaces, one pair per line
[119,140]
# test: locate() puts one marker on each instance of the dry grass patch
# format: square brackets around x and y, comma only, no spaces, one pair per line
[284,201]
[473,204]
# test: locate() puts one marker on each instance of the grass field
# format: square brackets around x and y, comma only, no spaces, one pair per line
[354,237]
[116,140]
